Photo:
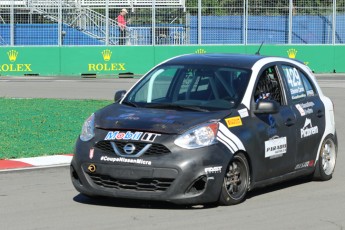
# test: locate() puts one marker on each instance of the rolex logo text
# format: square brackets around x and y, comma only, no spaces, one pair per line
[14,67]
[107,65]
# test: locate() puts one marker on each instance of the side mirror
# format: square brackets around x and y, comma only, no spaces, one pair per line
[266,107]
[119,95]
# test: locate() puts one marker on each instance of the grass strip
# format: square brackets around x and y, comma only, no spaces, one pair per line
[37,127]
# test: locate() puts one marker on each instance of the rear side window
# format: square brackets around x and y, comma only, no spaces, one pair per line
[295,82]
[310,90]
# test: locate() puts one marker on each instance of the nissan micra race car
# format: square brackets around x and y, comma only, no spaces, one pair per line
[207,128]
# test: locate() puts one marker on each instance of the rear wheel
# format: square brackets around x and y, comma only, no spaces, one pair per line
[327,158]
[236,181]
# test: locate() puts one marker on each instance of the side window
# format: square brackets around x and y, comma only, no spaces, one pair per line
[268,86]
[307,85]
[295,82]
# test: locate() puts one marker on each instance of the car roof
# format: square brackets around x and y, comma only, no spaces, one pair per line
[231,60]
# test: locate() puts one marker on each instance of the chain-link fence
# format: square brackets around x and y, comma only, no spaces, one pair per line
[170,22]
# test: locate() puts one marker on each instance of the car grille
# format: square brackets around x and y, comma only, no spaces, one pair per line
[155,149]
[144,184]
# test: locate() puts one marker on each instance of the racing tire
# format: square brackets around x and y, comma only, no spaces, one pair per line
[327,158]
[236,181]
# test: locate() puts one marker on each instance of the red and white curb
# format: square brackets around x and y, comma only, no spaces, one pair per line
[35,162]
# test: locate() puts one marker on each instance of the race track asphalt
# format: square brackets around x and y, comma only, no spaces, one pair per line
[46,199]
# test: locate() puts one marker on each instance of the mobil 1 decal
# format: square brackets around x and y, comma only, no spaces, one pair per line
[295,82]
[133,136]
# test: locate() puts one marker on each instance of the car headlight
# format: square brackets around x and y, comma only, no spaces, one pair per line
[87,131]
[201,136]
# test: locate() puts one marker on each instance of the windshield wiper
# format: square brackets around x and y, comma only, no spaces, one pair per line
[129,103]
[176,106]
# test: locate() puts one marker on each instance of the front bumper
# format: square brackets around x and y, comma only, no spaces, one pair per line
[181,176]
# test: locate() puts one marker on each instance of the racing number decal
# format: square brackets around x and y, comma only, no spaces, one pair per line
[293,77]
[295,82]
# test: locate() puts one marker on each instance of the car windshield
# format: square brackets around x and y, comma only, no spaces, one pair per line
[190,87]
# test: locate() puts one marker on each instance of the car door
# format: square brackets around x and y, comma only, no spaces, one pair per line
[275,132]
[310,111]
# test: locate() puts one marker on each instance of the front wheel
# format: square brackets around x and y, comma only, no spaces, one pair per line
[236,181]
[327,158]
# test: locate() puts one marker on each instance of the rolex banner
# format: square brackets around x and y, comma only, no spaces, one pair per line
[20,61]
[136,60]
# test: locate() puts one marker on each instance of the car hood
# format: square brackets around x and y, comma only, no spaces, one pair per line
[122,117]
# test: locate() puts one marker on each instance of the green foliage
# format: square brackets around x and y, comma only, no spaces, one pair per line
[36,127]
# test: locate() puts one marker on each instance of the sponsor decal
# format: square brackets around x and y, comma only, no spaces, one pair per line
[233,121]
[91,168]
[297,93]
[243,113]
[106,66]
[125,160]
[305,164]
[117,135]
[14,67]
[308,107]
[308,129]
[91,153]
[305,108]
[149,137]
[300,109]
[275,147]
[216,169]
[134,136]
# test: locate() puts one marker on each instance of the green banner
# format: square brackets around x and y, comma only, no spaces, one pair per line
[21,61]
[113,61]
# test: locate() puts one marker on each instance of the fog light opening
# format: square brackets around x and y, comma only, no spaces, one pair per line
[74,175]
[198,185]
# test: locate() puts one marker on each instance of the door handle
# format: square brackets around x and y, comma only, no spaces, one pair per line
[319,113]
[289,122]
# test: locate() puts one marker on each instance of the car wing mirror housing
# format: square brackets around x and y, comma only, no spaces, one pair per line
[266,107]
[119,95]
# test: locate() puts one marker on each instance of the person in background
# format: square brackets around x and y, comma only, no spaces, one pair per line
[121,22]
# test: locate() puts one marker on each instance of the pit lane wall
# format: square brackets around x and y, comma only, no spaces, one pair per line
[114,61]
